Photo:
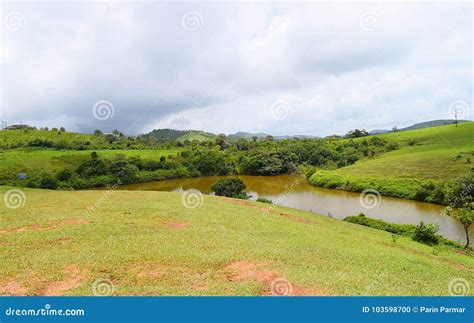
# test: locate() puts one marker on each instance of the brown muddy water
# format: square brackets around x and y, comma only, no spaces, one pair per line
[296,192]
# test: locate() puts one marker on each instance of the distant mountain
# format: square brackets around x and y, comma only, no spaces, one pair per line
[261,135]
[166,135]
[246,135]
[421,125]
[378,131]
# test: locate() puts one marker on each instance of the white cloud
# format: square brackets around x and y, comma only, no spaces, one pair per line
[226,75]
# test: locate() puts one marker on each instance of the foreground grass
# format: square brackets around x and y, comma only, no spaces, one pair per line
[438,154]
[148,243]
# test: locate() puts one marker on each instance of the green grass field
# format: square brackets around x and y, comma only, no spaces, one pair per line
[148,243]
[437,154]
[34,161]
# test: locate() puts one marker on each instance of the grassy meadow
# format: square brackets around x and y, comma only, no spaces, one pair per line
[149,243]
[438,154]
[33,161]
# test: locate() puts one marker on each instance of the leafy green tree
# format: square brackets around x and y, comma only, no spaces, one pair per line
[92,167]
[230,187]
[221,141]
[460,198]
[123,170]
[356,133]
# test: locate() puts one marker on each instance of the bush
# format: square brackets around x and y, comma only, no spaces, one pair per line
[123,170]
[92,167]
[400,229]
[48,182]
[426,233]
[64,175]
[264,200]
[230,187]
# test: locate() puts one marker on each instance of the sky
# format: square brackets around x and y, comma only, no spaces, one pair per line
[277,67]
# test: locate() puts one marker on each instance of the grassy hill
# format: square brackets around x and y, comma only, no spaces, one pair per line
[33,162]
[433,154]
[166,135]
[421,125]
[148,243]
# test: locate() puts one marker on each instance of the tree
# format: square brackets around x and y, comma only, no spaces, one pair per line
[230,187]
[221,140]
[242,144]
[98,132]
[62,129]
[460,198]
[356,133]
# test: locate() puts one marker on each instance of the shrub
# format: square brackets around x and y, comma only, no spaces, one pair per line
[64,175]
[48,182]
[230,187]
[264,200]
[123,170]
[426,233]
[92,167]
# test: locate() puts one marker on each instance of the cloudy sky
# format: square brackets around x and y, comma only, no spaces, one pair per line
[275,67]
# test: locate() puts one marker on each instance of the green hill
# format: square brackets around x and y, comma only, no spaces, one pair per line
[421,125]
[436,154]
[148,243]
[167,135]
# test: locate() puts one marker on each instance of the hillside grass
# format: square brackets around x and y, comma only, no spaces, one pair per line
[33,161]
[438,154]
[148,243]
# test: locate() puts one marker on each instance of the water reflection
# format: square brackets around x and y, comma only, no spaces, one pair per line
[295,192]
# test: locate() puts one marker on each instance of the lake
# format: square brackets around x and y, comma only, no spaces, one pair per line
[296,192]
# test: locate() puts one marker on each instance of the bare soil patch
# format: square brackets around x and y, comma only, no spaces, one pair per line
[75,277]
[12,288]
[275,283]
